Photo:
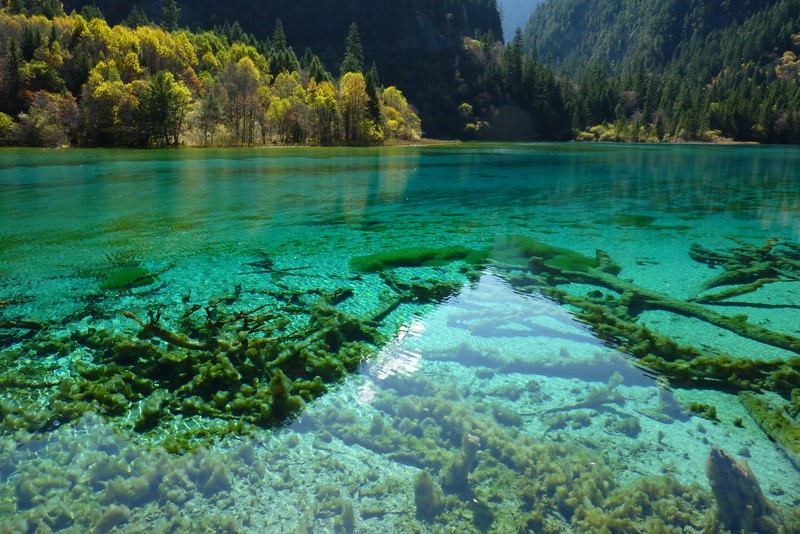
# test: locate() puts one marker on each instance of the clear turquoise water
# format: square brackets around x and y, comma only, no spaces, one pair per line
[488,362]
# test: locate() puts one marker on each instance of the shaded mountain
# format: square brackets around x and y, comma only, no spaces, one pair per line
[619,33]
[676,69]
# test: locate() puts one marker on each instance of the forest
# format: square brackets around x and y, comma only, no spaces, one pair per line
[75,80]
[656,70]
[113,74]
[415,44]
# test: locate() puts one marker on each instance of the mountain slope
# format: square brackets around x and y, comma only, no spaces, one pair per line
[676,69]
[617,32]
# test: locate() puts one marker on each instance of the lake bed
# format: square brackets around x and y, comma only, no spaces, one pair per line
[482,367]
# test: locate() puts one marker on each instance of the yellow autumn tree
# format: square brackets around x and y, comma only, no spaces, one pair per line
[241,82]
[357,128]
[399,120]
[323,118]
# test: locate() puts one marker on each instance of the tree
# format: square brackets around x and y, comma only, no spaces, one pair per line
[51,120]
[285,107]
[91,11]
[374,106]
[401,122]
[136,18]
[512,65]
[110,108]
[164,104]
[317,70]
[241,82]
[6,124]
[52,8]
[170,14]
[354,53]
[17,7]
[353,101]
[31,40]
[324,117]
[210,111]
[278,37]
[282,58]
[12,80]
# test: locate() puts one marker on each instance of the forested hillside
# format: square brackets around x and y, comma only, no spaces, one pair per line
[608,70]
[75,80]
[676,69]
[415,44]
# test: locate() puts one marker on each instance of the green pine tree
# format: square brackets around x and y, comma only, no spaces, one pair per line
[373,82]
[136,18]
[354,53]
[281,57]
[170,13]
[17,7]
[52,8]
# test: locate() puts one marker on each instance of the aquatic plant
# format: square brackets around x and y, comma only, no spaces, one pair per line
[748,267]
[781,427]
[613,316]
[255,366]
[515,482]
[427,497]
[415,257]
[455,477]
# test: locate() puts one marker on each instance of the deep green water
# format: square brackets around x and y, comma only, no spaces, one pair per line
[476,374]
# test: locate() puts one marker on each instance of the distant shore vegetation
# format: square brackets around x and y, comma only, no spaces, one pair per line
[73,80]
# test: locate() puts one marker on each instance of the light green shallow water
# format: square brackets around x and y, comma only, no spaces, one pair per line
[473,371]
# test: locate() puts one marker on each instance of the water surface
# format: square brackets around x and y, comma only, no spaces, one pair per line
[478,370]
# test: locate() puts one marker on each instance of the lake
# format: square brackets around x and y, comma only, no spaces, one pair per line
[472,337]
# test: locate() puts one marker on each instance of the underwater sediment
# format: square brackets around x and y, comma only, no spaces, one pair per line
[201,382]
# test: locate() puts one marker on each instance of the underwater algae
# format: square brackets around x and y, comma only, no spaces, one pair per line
[261,366]
[416,257]
[218,360]
[219,365]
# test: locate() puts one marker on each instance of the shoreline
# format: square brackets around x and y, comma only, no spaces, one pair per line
[425,142]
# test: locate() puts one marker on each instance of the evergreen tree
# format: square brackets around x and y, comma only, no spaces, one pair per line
[512,65]
[17,7]
[52,8]
[317,70]
[354,53]
[170,14]
[136,18]
[91,11]
[307,59]
[164,104]
[31,40]
[281,57]
[278,37]
[11,103]
[372,81]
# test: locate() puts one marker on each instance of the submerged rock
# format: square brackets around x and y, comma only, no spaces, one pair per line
[127,277]
[741,504]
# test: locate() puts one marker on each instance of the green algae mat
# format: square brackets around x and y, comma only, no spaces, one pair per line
[498,338]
